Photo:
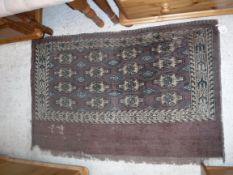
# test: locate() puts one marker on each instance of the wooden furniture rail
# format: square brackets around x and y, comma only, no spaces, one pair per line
[23,26]
[216,170]
[140,11]
[9,166]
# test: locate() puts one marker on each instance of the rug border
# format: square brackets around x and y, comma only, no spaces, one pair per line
[218,83]
[125,32]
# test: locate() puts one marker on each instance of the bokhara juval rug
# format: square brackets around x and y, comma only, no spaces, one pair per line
[151,92]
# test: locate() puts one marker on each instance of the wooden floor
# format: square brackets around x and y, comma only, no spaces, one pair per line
[216,170]
[21,167]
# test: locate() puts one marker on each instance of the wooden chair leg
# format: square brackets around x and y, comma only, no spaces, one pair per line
[103,4]
[84,7]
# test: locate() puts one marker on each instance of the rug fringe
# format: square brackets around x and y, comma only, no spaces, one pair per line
[127,159]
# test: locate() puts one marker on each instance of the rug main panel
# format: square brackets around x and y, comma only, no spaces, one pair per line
[147,78]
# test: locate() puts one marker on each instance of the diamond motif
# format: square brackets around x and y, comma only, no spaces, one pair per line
[81,64]
[147,58]
[81,79]
[81,94]
[114,93]
[186,68]
[147,73]
[113,62]
[114,78]
[149,91]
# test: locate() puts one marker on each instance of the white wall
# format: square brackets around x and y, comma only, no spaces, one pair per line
[15,97]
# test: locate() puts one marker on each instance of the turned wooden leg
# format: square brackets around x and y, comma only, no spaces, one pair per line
[103,4]
[84,7]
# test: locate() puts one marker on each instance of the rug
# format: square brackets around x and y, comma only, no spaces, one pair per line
[152,93]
